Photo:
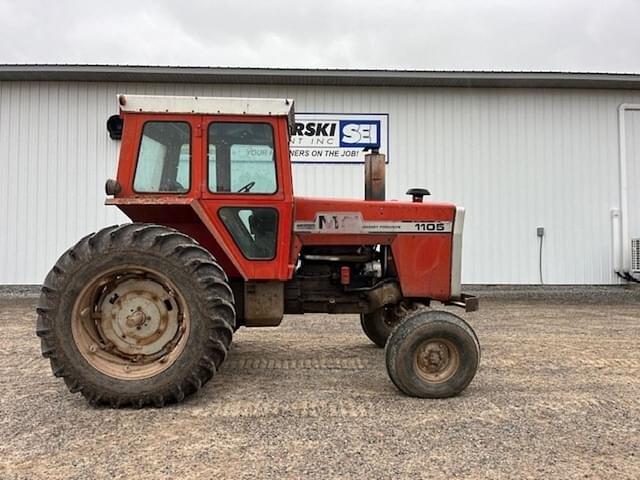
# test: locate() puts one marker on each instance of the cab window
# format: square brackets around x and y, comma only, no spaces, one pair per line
[241,158]
[164,158]
[254,229]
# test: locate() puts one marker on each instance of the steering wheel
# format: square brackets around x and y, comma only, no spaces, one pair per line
[247,188]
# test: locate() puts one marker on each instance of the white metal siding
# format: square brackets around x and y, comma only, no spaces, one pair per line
[515,158]
[632,133]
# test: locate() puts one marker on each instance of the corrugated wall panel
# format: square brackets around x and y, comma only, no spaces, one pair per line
[632,128]
[516,158]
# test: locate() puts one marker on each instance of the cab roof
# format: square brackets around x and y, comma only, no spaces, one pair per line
[273,107]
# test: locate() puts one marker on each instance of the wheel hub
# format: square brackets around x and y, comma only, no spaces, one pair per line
[436,360]
[130,324]
[434,357]
[139,317]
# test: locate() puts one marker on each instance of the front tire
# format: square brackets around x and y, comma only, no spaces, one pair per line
[134,315]
[432,354]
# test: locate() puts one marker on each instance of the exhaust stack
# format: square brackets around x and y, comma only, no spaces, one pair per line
[374,175]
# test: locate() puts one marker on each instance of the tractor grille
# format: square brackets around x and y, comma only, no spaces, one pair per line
[635,255]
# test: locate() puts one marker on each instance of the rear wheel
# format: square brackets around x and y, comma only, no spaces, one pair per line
[135,314]
[432,354]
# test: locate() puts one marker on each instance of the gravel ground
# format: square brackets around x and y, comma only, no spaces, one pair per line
[556,396]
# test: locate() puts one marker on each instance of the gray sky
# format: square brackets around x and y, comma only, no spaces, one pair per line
[569,35]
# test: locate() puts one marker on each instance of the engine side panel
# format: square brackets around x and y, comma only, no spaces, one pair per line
[420,235]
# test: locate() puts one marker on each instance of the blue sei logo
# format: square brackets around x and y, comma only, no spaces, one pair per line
[360,133]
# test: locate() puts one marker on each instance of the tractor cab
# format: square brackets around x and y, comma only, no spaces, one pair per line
[217,167]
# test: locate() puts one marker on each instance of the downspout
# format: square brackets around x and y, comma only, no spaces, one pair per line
[615,239]
[625,241]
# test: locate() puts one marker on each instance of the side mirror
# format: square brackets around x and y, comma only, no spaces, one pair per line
[112,187]
[114,127]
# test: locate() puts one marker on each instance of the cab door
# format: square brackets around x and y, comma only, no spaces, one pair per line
[247,192]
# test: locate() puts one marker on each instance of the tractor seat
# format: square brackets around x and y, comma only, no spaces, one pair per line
[418,193]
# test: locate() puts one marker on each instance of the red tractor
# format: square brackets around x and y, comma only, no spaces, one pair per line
[143,313]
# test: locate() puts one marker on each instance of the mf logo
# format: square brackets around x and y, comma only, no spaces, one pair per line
[339,222]
[326,222]
[360,133]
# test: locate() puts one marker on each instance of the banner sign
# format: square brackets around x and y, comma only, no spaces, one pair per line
[338,137]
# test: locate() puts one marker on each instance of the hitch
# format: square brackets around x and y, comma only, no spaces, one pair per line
[470,303]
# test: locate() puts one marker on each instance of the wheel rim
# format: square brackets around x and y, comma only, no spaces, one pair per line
[130,323]
[436,360]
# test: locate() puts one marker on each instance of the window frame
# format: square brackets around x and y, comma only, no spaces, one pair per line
[252,207]
[135,167]
[275,159]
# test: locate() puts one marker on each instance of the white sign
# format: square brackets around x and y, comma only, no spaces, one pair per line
[338,137]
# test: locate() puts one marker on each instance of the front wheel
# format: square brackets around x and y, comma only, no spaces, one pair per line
[432,354]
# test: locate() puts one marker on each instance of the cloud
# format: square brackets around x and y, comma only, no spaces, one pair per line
[411,34]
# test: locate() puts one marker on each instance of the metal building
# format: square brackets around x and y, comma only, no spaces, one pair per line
[518,150]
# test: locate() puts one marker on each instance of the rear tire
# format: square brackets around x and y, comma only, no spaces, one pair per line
[135,314]
[432,354]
